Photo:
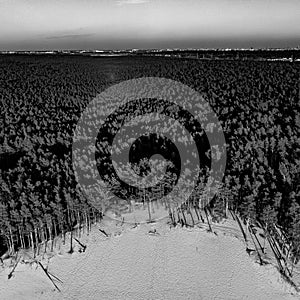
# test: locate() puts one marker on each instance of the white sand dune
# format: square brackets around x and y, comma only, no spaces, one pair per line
[178,263]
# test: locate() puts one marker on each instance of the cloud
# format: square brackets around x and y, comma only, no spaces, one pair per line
[69,36]
[128,2]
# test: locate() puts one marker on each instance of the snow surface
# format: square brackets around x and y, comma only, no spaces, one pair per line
[177,263]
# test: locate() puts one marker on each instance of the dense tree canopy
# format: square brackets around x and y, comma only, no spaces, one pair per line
[42,99]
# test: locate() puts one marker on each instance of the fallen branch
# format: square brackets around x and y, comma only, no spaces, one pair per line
[46,272]
[102,231]
[83,246]
[55,277]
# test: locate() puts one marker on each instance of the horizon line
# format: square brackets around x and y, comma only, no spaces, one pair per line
[157,49]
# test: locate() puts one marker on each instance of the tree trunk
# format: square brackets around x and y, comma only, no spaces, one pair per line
[36,242]
[32,243]
[71,243]
[64,236]
[51,237]
[55,231]
[206,214]
[20,237]
[192,217]
[185,222]
[45,239]
[195,209]
[149,210]
[79,224]
[11,240]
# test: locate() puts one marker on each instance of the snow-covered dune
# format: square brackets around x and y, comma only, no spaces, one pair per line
[176,263]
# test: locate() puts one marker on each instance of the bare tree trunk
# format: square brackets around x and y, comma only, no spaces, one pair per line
[55,232]
[51,237]
[192,217]
[89,220]
[45,240]
[171,217]
[149,212]
[9,244]
[206,214]
[79,224]
[94,217]
[20,237]
[71,243]
[294,262]
[287,253]
[11,240]
[86,222]
[32,243]
[37,242]
[64,236]
[196,213]
[250,233]
[185,222]
[23,240]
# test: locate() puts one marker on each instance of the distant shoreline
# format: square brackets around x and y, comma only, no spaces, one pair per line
[289,55]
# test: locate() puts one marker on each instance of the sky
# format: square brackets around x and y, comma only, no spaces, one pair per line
[127,24]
